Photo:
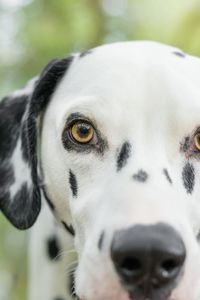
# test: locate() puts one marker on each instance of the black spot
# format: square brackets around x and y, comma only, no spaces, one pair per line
[69,228]
[53,248]
[51,205]
[140,176]
[43,187]
[85,53]
[47,83]
[24,143]
[101,240]
[11,113]
[123,155]
[198,237]
[179,53]
[167,175]
[188,176]
[73,183]
[18,209]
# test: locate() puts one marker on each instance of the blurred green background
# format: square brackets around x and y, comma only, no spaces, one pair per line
[34,31]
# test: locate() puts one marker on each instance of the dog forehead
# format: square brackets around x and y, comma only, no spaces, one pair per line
[131,70]
[106,66]
[130,78]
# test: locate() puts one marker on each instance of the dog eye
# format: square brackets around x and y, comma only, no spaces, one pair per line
[82,132]
[197,141]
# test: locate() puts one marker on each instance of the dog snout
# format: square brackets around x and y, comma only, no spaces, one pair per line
[148,258]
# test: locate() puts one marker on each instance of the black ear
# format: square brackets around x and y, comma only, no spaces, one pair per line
[20,195]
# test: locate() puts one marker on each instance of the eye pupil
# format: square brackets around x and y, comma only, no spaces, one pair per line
[83,129]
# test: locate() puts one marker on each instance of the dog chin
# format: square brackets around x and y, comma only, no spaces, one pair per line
[113,292]
[141,297]
[132,296]
[106,286]
[128,298]
[136,295]
[123,296]
[100,294]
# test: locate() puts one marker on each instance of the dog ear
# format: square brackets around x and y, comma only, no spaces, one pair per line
[20,194]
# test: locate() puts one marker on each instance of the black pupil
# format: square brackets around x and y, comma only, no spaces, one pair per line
[83,129]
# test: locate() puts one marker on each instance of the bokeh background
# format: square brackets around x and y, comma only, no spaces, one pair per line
[32,32]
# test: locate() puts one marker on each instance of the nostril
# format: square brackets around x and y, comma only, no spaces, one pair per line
[169,265]
[169,268]
[131,266]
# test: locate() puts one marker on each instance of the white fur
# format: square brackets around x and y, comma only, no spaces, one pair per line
[21,171]
[143,93]
[49,279]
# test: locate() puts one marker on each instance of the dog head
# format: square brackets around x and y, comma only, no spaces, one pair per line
[111,138]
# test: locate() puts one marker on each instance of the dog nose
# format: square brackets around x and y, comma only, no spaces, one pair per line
[148,257]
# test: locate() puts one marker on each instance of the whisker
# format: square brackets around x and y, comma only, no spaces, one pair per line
[64,252]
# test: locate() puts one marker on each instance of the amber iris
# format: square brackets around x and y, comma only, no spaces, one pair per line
[82,132]
[197,141]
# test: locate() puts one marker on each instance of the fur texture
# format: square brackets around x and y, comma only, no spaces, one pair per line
[142,100]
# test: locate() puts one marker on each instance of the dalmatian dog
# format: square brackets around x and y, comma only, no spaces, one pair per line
[105,145]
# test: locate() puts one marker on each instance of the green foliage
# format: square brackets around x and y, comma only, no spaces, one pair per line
[51,30]
[188,33]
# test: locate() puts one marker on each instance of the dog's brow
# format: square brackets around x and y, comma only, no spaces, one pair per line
[75,116]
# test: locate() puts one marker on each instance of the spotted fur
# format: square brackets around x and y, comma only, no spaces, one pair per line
[101,240]
[73,183]
[69,228]
[188,176]
[144,108]
[123,155]
[18,149]
[179,53]
[166,173]
[85,53]
[53,248]
[140,176]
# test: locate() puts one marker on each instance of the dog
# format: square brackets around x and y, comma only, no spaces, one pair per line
[105,147]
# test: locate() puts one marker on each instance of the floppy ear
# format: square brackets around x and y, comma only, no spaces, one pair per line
[20,194]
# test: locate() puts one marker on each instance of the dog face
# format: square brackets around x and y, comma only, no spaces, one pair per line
[119,165]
